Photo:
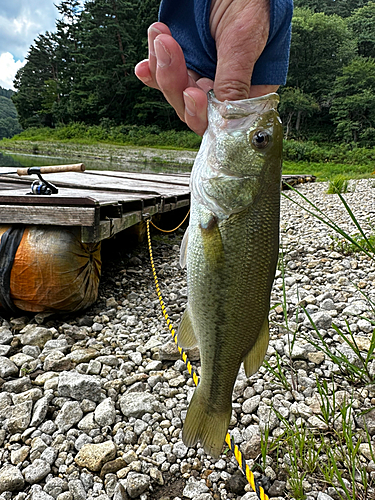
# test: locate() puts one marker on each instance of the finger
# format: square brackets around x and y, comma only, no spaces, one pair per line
[171,72]
[195,101]
[142,71]
[153,31]
[258,90]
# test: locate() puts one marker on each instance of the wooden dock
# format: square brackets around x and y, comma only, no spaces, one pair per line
[101,203]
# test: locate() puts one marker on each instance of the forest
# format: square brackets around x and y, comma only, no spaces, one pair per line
[9,124]
[83,73]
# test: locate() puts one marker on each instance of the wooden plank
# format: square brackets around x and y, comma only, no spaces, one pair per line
[59,216]
[72,197]
[166,179]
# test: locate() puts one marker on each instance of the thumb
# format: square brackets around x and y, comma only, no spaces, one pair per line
[240,39]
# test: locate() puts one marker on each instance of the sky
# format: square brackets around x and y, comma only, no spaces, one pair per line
[21,21]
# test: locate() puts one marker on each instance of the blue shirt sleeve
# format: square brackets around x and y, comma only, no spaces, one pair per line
[189,25]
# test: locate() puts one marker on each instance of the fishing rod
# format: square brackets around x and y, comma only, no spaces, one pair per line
[42,186]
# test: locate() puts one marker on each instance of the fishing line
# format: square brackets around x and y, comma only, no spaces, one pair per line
[233,447]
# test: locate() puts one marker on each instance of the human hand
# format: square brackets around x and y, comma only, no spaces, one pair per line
[240,30]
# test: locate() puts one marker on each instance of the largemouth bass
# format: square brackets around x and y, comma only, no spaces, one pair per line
[231,251]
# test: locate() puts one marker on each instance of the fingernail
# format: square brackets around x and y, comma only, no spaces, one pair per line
[163,57]
[190,105]
[152,34]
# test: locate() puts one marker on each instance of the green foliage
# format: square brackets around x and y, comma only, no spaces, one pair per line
[9,125]
[339,184]
[362,24]
[353,105]
[108,132]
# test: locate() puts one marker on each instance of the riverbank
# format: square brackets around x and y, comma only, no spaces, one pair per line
[299,158]
[92,405]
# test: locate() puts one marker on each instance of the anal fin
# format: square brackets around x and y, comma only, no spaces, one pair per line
[254,358]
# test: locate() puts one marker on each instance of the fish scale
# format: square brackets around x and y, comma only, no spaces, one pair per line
[231,256]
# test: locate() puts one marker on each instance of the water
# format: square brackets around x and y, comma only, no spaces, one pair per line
[15,160]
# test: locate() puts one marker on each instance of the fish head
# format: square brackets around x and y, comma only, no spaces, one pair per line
[240,155]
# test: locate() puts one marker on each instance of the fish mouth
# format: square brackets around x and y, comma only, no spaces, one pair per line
[245,107]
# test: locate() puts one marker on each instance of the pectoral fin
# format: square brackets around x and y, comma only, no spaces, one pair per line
[255,356]
[185,336]
[183,250]
[212,243]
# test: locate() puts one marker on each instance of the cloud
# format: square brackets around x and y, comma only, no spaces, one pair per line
[8,69]
[21,21]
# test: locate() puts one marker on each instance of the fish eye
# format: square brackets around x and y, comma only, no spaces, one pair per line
[260,139]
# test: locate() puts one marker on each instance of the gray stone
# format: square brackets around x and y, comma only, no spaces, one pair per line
[35,472]
[39,412]
[136,484]
[18,385]
[251,404]
[136,404]
[321,319]
[77,490]
[7,368]
[105,412]
[82,440]
[120,493]
[194,488]
[40,495]
[4,350]
[6,336]
[69,415]
[19,417]
[11,478]
[323,496]
[277,489]
[35,335]
[49,455]
[76,386]
[179,449]
[55,486]
[31,395]
[88,423]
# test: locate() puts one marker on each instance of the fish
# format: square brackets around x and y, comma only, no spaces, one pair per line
[230,250]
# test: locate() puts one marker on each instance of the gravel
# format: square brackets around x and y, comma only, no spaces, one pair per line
[92,406]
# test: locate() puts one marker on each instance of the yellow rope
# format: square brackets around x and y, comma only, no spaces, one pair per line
[233,447]
[170,230]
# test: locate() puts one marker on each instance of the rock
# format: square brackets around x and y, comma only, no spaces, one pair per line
[19,417]
[35,472]
[170,352]
[77,490]
[179,449]
[277,489]
[69,415]
[136,404]
[55,486]
[35,335]
[251,404]
[93,456]
[194,488]
[76,386]
[82,355]
[39,412]
[7,368]
[321,319]
[323,496]
[18,456]
[6,336]
[105,412]
[11,478]
[136,484]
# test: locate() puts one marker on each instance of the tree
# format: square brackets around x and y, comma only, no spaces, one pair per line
[343,8]
[362,24]
[296,105]
[32,94]
[353,104]
[321,46]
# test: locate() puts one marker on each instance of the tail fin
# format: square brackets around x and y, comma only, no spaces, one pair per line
[205,425]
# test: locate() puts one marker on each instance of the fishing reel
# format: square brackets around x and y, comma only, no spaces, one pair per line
[41,187]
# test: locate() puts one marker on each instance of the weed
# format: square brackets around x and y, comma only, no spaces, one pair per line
[339,184]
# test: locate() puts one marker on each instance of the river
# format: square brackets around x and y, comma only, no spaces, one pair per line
[104,157]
